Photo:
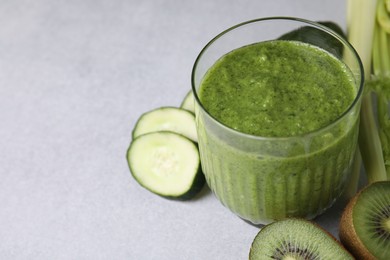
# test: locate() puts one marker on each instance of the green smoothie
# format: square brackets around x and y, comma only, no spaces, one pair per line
[284,151]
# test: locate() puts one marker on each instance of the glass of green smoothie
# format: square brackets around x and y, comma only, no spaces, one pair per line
[277,105]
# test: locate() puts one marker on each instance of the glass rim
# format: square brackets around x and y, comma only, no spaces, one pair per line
[281,18]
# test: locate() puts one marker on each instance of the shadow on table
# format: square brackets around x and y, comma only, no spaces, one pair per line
[204,192]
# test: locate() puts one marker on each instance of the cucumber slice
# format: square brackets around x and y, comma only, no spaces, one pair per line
[188,102]
[166,164]
[167,119]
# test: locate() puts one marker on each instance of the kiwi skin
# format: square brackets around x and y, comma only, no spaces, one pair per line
[347,233]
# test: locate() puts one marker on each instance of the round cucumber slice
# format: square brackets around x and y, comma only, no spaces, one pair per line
[166,164]
[188,102]
[171,119]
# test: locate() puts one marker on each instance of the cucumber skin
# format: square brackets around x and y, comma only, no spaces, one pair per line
[196,187]
[197,184]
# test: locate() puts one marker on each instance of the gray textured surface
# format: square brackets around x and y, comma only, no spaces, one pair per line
[74,78]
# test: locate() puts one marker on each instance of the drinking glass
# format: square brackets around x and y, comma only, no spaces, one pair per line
[263,179]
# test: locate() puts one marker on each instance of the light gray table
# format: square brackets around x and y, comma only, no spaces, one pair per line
[74,78]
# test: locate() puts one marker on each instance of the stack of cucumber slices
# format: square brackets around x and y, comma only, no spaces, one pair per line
[163,155]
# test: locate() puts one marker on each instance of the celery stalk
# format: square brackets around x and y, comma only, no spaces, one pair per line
[384,55]
[381,82]
[376,60]
[383,16]
[361,24]
[370,143]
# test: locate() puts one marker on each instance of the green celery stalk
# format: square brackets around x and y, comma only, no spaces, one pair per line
[361,23]
[380,84]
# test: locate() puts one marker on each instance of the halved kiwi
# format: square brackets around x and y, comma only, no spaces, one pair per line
[365,223]
[296,239]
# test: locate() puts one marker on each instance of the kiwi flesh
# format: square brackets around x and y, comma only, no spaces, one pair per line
[296,239]
[365,223]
